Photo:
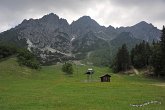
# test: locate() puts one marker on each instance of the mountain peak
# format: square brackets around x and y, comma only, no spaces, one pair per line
[143,23]
[85,17]
[24,21]
[142,30]
[85,24]
[50,16]
[110,27]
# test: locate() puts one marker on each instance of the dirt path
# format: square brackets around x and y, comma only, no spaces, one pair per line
[159,84]
[88,55]
[136,71]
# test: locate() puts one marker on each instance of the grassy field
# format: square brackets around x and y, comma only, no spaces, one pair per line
[50,89]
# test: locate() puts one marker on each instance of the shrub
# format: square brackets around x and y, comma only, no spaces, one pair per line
[7,50]
[67,68]
[26,58]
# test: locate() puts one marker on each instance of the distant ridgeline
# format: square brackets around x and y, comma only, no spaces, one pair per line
[53,39]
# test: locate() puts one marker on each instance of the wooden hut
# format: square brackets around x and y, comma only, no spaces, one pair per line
[105,78]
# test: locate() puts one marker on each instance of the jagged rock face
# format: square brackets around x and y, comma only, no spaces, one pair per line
[143,31]
[50,23]
[47,31]
[111,32]
[84,25]
[50,33]
[11,37]
[53,39]
[88,42]
[125,38]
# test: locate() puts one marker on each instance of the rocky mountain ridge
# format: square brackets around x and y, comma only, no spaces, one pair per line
[52,38]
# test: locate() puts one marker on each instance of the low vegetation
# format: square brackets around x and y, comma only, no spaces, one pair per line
[7,50]
[28,59]
[22,88]
[67,68]
[24,56]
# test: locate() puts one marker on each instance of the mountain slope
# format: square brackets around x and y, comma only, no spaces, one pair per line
[84,25]
[47,37]
[11,37]
[88,42]
[143,31]
[52,39]
[109,33]
[125,38]
[47,31]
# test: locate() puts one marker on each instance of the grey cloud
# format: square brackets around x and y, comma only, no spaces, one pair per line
[128,3]
[151,11]
[23,5]
[106,12]
[16,10]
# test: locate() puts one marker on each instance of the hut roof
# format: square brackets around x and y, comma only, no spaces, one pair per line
[105,75]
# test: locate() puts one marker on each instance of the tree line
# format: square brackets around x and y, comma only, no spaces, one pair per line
[142,56]
[24,56]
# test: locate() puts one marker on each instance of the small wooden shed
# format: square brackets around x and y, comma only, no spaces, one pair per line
[105,78]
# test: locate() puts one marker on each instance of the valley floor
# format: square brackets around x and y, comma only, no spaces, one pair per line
[50,89]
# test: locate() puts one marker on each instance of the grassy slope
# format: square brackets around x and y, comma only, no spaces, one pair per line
[49,89]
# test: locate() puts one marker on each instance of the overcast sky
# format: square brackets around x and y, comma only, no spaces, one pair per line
[106,12]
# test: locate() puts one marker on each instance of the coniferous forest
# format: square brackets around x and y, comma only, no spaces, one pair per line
[143,55]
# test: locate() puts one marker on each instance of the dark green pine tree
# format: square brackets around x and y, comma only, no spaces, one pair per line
[122,61]
[132,56]
[147,54]
[156,60]
[158,56]
[162,46]
[140,55]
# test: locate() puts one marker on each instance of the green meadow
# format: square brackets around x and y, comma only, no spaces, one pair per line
[22,88]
